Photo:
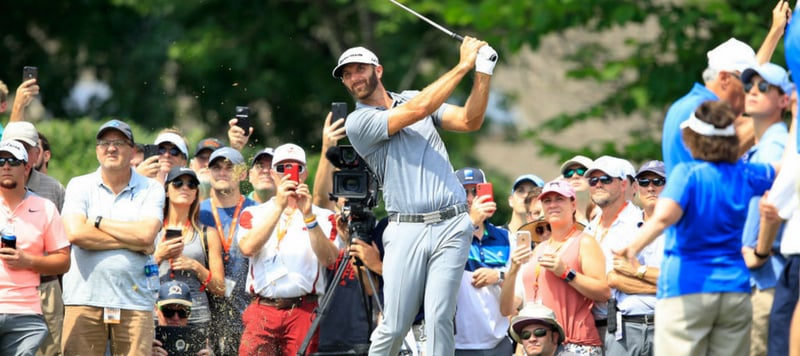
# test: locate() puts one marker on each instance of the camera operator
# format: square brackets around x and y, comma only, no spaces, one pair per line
[287,242]
[428,233]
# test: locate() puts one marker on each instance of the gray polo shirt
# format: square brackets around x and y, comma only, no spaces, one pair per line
[412,165]
[111,278]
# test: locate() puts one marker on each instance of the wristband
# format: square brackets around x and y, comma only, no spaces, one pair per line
[97,222]
[760,256]
[312,225]
[204,284]
[564,276]
[310,219]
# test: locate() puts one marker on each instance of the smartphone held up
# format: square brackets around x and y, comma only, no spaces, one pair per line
[243,119]
[29,72]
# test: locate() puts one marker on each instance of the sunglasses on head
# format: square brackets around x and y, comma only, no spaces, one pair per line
[602,179]
[540,229]
[571,172]
[169,313]
[538,332]
[281,167]
[178,183]
[173,151]
[645,182]
[13,162]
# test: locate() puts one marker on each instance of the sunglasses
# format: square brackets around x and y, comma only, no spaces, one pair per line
[538,332]
[13,162]
[571,172]
[281,167]
[762,86]
[173,151]
[178,183]
[169,313]
[645,182]
[602,179]
[540,229]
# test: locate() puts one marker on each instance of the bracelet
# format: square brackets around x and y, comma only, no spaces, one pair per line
[97,222]
[760,256]
[566,272]
[476,227]
[310,219]
[312,225]
[641,271]
[204,284]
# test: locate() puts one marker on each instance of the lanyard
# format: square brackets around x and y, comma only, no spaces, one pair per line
[226,242]
[605,231]
[282,232]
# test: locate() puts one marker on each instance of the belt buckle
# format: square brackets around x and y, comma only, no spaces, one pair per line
[649,319]
[432,217]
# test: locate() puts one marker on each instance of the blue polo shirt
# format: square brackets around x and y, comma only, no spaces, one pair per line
[769,149]
[491,251]
[703,250]
[673,149]
[791,47]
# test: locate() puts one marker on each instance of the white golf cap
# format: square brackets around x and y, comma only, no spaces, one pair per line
[288,152]
[174,139]
[15,148]
[732,55]
[355,55]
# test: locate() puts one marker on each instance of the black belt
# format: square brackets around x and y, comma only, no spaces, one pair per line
[639,319]
[600,322]
[286,303]
[432,217]
[45,279]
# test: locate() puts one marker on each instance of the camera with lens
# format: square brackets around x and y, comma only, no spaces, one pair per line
[359,186]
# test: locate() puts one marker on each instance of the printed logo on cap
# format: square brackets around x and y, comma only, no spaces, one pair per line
[175,289]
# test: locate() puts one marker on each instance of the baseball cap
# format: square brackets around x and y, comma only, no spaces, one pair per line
[609,165]
[654,166]
[15,148]
[533,312]
[732,55]
[560,187]
[208,144]
[288,151]
[177,172]
[771,73]
[582,160]
[174,139]
[174,292]
[118,125]
[228,153]
[627,167]
[267,151]
[21,131]
[469,175]
[527,178]
[354,55]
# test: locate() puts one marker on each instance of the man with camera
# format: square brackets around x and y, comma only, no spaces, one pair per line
[427,238]
[287,241]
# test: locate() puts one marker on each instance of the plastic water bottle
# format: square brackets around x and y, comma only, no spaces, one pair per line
[9,241]
[151,272]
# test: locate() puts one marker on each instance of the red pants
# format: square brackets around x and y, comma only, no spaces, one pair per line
[273,332]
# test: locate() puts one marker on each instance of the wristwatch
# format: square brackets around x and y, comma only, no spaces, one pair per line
[641,271]
[570,275]
[502,276]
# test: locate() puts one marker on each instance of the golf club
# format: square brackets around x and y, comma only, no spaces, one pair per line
[452,34]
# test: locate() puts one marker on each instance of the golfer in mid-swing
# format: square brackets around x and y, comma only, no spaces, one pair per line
[428,236]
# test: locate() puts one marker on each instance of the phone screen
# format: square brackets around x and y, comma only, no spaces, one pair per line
[29,72]
[173,232]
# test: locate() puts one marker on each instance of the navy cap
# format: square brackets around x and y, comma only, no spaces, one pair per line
[177,172]
[469,175]
[208,144]
[174,292]
[118,125]
[656,167]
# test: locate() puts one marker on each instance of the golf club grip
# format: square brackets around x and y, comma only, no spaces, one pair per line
[458,37]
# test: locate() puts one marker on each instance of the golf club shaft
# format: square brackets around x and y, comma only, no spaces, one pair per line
[434,24]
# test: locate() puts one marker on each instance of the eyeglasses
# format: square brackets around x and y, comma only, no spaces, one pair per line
[169,313]
[115,143]
[473,191]
[540,229]
[281,168]
[261,167]
[178,183]
[571,172]
[762,86]
[538,332]
[173,151]
[645,182]
[602,179]
[13,162]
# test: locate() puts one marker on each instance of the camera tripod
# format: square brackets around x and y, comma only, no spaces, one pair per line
[324,303]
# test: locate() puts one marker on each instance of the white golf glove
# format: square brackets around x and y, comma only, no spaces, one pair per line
[486,60]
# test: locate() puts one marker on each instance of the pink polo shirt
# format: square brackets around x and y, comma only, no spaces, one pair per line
[39,229]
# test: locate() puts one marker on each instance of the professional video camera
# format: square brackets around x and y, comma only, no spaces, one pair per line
[359,186]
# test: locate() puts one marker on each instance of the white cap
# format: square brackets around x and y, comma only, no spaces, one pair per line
[15,148]
[772,74]
[287,152]
[355,55]
[731,56]
[608,165]
[21,131]
[581,160]
[174,139]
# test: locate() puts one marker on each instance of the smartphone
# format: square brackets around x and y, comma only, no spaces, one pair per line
[173,232]
[339,110]
[29,72]
[243,119]
[293,171]
[524,239]
[150,150]
[484,189]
